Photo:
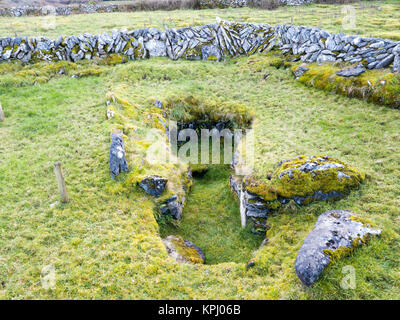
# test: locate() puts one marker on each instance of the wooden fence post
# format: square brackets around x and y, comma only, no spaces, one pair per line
[243,217]
[61,182]
[2,117]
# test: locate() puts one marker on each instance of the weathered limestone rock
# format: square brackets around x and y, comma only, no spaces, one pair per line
[253,205]
[351,72]
[183,250]
[154,185]
[118,162]
[396,64]
[156,48]
[335,234]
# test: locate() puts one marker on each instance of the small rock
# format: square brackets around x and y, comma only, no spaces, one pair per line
[173,207]
[298,72]
[156,48]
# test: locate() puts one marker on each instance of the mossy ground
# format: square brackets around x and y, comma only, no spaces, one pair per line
[105,243]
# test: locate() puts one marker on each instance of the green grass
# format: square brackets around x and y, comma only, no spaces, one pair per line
[106,244]
[211,220]
[372,18]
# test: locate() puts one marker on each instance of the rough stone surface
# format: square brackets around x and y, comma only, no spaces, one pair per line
[335,232]
[156,48]
[118,162]
[154,185]
[173,207]
[305,179]
[351,72]
[183,251]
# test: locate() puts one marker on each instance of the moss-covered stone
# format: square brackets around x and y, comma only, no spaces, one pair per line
[306,179]
[183,251]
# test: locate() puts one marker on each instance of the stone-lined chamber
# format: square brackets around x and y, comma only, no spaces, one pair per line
[208,42]
[302,180]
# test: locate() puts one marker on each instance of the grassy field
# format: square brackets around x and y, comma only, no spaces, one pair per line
[106,244]
[372,18]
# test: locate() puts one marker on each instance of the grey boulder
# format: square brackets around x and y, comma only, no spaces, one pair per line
[334,230]
[154,185]
[173,207]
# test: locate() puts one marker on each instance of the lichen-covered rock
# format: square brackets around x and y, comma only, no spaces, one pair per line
[335,234]
[183,250]
[306,179]
[154,185]
[118,162]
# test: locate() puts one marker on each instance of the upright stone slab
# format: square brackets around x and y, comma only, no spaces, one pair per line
[118,162]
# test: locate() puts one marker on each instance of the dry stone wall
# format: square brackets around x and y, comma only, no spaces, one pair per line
[208,42]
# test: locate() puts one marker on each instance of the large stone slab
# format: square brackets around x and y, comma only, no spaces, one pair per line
[335,234]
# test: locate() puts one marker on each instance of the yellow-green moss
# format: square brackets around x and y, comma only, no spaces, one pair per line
[341,252]
[114,59]
[307,183]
